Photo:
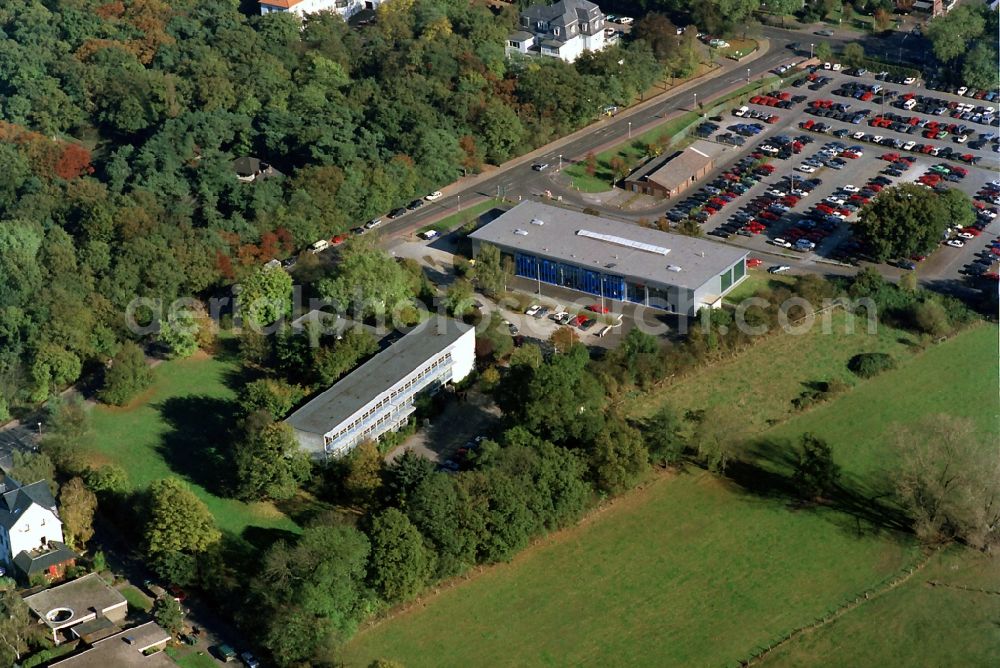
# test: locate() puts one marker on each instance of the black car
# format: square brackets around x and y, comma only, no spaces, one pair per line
[415,204]
[396,213]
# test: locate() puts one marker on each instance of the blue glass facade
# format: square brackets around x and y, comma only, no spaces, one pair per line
[574,277]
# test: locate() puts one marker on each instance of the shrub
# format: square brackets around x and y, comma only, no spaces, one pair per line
[868,365]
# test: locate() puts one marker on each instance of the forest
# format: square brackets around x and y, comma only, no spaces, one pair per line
[121,121]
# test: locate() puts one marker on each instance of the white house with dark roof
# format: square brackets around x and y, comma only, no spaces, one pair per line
[31,535]
[562,30]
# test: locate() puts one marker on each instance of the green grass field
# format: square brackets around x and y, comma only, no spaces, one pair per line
[760,383]
[462,217]
[187,657]
[136,599]
[177,429]
[698,571]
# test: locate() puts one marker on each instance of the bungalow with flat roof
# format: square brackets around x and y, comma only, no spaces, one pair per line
[68,607]
[140,647]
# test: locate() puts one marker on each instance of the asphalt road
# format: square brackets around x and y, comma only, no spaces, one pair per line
[519,180]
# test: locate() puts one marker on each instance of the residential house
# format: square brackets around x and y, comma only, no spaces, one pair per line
[31,535]
[563,30]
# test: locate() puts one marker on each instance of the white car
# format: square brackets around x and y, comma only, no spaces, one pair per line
[808,169]
[858,135]
[850,188]
[909,81]
[429,234]
[778,269]
[966,235]
[838,201]
[877,139]
[956,243]
[433,196]
[625,20]
[781,243]
[776,193]
[533,309]
[909,145]
[962,91]
[961,139]
[836,67]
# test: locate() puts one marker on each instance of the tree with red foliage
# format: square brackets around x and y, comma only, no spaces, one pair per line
[73,162]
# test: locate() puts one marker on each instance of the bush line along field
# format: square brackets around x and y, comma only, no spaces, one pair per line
[697,570]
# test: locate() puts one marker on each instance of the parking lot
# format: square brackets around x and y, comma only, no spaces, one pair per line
[799,180]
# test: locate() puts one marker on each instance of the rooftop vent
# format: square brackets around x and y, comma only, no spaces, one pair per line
[522,233]
[622,241]
[673,267]
[537,221]
[611,265]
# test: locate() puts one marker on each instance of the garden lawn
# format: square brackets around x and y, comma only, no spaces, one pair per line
[136,599]
[190,658]
[176,428]
[683,572]
[757,280]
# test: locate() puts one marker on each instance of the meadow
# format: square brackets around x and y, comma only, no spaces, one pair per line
[696,570]
[178,428]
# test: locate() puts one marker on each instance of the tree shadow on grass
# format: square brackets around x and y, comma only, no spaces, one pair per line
[262,538]
[198,447]
[856,506]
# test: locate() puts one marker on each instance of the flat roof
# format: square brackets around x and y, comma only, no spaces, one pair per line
[82,597]
[357,389]
[687,263]
[124,650]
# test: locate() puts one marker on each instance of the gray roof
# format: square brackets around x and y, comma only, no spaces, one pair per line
[521,36]
[124,650]
[15,498]
[368,381]
[52,553]
[676,169]
[84,597]
[564,12]
[557,238]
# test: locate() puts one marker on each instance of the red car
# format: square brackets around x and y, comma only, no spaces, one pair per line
[754,262]
[768,215]
[338,239]
[597,308]
[578,320]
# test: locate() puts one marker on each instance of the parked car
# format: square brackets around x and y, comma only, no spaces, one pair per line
[540,166]
[396,213]
[778,269]
[437,194]
[224,653]
[249,660]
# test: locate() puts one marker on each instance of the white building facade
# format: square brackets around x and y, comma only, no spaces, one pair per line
[346,8]
[564,30]
[378,396]
[31,533]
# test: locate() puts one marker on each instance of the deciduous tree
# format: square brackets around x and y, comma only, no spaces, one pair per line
[77,506]
[128,375]
[400,564]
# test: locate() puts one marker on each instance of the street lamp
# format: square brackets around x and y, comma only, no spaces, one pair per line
[696,100]
[459,202]
[630,129]
[748,76]
[810,50]
[560,162]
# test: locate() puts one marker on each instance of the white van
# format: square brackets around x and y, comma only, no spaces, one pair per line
[910,104]
[741,112]
[320,246]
